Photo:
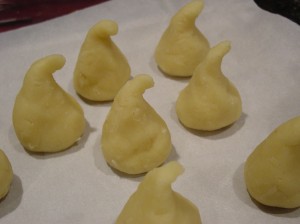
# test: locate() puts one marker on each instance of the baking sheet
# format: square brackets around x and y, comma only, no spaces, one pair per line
[77,186]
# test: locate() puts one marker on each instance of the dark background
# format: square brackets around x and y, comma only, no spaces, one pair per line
[288,8]
[18,13]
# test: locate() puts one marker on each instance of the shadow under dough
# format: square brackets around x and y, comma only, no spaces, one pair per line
[102,165]
[77,146]
[13,199]
[214,135]
[241,192]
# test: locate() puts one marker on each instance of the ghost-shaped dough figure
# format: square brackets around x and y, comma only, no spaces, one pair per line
[155,201]
[135,139]
[272,171]
[210,101]
[182,46]
[6,174]
[45,117]
[101,68]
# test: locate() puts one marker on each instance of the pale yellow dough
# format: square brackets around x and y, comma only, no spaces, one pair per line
[210,101]
[155,202]
[272,171]
[101,68]
[182,46]
[6,174]
[45,117]
[135,139]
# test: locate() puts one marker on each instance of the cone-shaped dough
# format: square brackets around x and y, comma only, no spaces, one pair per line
[45,117]
[155,202]
[6,174]
[272,171]
[182,46]
[210,101]
[101,68]
[135,139]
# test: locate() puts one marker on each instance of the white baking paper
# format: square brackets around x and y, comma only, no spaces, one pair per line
[77,186]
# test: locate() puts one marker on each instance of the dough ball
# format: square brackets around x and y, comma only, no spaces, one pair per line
[135,139]
[272,171]
[45,117]
[155,202]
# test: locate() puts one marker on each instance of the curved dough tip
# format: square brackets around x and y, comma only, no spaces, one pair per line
[105,28]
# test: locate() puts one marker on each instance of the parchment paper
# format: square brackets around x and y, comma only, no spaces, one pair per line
[77,186]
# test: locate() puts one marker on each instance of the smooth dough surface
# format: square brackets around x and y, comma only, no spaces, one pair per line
[155,202]
[45,117]
[135,139]
[272,171]
[6,174]
[182,46]
[209,101]
[101,68]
